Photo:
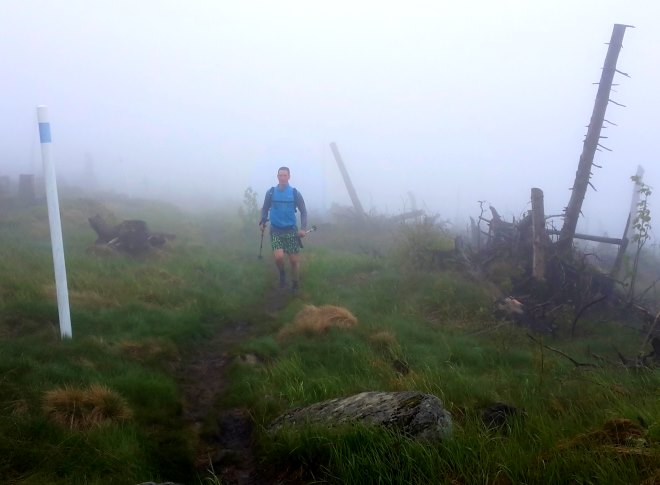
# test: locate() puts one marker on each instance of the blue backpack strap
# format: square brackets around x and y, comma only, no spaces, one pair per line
[271,191]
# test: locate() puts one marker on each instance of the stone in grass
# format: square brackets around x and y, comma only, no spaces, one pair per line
[415,414]
[499,416]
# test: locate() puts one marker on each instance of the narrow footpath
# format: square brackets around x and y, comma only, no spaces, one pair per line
[225,448]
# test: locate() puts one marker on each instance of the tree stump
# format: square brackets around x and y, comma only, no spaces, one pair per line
[131,236]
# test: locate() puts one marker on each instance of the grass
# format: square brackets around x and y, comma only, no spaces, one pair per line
[132,319]
[106,407]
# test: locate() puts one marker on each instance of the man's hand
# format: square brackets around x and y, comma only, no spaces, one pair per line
[301,233]
[262,226]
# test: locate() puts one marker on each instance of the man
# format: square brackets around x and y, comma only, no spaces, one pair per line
[281,202]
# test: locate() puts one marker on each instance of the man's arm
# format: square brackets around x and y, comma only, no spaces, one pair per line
[300,204]
[268,200]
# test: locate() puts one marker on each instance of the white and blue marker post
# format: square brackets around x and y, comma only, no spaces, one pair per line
[55,223]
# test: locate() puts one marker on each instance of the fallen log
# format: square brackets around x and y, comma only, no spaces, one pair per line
[104,230]
[586,237]
[408,215]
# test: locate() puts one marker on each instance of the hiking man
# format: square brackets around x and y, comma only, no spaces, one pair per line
[282,201]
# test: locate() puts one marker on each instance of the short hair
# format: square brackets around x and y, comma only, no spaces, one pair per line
[286,169]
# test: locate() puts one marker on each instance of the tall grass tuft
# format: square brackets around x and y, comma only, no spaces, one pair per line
[84,408]
[315,320]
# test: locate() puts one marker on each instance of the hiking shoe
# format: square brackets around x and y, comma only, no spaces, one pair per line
[294,288]
[282,279]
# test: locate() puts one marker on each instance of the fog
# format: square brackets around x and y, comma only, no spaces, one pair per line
[455,102]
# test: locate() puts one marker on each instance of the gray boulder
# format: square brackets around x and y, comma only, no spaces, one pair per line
[418,415]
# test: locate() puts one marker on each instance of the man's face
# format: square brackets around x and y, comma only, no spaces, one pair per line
[283,177]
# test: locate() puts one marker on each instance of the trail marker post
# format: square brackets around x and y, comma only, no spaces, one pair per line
[55,223]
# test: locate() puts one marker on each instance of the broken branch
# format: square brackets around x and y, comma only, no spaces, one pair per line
[575,362]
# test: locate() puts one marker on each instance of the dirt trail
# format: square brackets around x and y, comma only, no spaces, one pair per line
[225,435]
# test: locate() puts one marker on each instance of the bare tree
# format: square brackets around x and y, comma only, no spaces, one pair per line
[592,139]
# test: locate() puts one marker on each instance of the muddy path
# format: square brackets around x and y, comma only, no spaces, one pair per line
[225,445]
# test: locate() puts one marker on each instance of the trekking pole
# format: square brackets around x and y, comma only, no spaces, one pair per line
[313,228]
[261,246]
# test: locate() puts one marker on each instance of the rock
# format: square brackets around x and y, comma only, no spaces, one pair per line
[249,359]
[418,415]
[500,415]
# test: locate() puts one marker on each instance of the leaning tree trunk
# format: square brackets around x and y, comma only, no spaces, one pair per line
[592,139]
[347,181]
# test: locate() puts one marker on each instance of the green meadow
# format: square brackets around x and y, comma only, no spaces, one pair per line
[105,407]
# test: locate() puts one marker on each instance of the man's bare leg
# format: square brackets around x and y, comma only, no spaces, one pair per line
[278,254]
[294,261]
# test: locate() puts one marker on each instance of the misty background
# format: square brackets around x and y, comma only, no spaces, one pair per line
[455,103]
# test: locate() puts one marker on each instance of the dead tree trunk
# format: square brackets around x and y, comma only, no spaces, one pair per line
[105,231]
[538,235]
[634,200]
[591,142]
[475,232]
[415,214]
[629,230]
[587,237]
[616,268]
[347,181]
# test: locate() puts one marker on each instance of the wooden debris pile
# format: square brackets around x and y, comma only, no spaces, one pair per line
[130,236]
[542,267]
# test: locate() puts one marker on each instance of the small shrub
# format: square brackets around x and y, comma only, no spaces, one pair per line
[249,212]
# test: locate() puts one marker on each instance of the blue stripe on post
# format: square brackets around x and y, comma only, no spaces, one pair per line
[44,132]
